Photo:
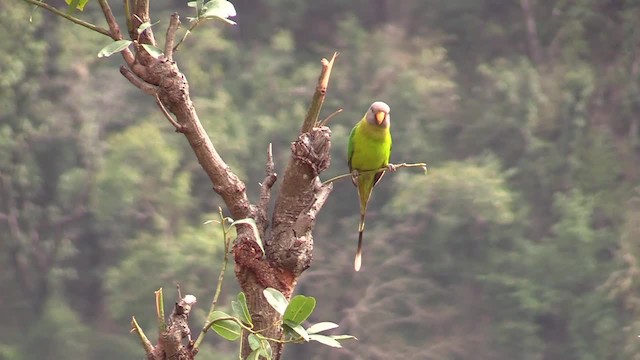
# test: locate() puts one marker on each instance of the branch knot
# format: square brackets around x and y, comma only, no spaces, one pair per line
[312,148]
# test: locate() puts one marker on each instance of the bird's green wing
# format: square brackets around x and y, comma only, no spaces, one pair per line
[350,146]
[380,174]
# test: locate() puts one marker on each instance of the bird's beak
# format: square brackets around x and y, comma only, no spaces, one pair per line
[380,115]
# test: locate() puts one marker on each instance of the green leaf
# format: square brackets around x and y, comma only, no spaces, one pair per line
[145,25]
[75,4]
[228,329]
[321,326]
[241,309]
[221,9]
[152,50]
[260,345]
[254,342]
[297,328]
[299,309]
[114,47]
[276,299]
[256,234]
[326,340]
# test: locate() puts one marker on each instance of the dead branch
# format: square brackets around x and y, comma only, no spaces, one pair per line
[265,191]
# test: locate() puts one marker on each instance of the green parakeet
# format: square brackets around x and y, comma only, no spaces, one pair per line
[369,149]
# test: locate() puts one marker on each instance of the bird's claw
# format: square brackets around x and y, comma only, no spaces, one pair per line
[391,167]
[355,174]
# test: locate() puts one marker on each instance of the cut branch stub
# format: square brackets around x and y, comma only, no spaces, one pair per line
[170,344]
[312,149]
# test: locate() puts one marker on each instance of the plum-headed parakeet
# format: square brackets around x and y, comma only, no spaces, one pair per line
[369,149]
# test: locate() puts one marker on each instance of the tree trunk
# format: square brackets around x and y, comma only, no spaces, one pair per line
[533,42]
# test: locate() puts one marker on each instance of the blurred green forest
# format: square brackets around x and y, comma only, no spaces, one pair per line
[523,242]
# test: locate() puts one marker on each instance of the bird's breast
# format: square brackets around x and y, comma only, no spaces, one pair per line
[371,150]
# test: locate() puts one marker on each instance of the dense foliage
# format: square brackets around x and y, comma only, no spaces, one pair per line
[521,243]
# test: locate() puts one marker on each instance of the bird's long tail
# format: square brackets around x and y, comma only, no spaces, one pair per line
[357,264]
[365,187]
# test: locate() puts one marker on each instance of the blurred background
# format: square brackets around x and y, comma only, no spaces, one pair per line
[522,242]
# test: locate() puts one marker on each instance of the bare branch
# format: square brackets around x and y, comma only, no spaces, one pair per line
[265,190]
[141,15]
[111,20]
[326,120]
[116,34]
[393,167]
[193,25]
[311,119]
[307,219]
[166,114]
[146,344]
[174,23]
[71,18]
[137,82]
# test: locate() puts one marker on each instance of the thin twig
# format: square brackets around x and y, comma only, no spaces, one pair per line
[326,120]
[137,82]
[165,112]
[396,166]
[226,240]
[174,23]
[127,14]
[71,18]
[194,23]
[311,118]
[148,348]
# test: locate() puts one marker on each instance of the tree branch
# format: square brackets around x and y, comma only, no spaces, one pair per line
[116,34]
[395,167]
[306,221]
[326,120]
[170,341]
[111,20]
[532,31]
[71,18]
[167,115]
[174,23]
[311,119]
[138,82]
[265,191]
[141,15]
